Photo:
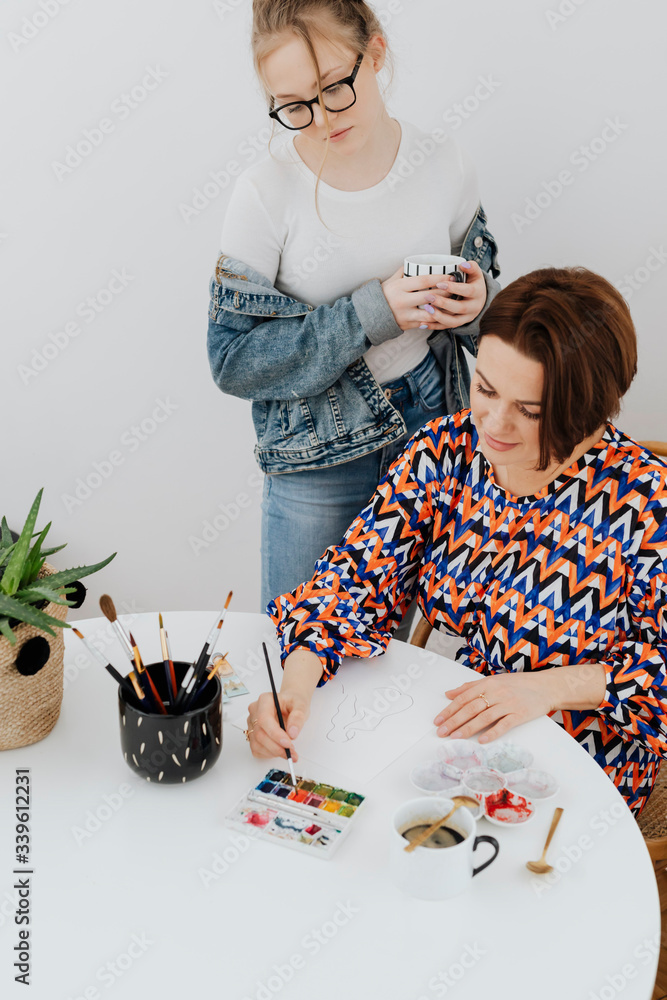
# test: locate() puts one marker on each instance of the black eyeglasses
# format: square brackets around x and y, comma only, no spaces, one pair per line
[338,96]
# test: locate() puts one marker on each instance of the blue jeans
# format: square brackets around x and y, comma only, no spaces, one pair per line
[305,512]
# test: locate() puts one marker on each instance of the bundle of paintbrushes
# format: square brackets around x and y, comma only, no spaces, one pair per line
[140,687]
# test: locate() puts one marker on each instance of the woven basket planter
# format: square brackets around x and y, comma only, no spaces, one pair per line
[30,702]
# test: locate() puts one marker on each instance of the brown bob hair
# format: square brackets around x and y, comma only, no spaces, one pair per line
[578,326]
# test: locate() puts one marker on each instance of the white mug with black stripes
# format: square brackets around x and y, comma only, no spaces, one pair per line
[434,263]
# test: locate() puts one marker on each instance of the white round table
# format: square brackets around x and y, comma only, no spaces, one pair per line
[142,890]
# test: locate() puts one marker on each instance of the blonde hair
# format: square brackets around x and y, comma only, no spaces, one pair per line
[355,24]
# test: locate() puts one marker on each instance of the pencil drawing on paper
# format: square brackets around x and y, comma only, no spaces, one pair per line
[363,715]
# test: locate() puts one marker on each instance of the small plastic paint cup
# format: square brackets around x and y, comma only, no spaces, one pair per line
[533,785]
[436,778]
[463,754]
[306,785]
[314,800]
[481,782]
[354,799]
[171,749]
[507,757]
[506,808]
[323,790]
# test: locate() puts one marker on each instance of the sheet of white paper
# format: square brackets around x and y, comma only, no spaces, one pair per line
[372,711]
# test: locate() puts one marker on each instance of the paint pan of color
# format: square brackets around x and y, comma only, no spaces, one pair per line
[301,817]
[435,777]
[463,754]
[507,757]
[482,781]
[506,808]
[533,785]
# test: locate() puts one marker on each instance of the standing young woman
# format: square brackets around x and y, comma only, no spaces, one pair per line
[310,316]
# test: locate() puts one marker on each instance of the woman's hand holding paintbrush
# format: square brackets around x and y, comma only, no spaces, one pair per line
[302,671]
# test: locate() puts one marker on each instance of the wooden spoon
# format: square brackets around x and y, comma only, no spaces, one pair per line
[458,800]
[541,867]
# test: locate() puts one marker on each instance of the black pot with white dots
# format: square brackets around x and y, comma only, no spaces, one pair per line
[172,749]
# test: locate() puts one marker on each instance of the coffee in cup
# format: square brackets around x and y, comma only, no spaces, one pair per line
[445,867]
[444,836]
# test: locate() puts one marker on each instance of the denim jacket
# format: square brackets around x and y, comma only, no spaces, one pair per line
[315,402]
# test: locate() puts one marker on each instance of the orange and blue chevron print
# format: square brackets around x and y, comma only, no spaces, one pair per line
[574,574]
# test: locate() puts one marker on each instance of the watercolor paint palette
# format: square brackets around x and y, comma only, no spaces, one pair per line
[498,776]
[313,816]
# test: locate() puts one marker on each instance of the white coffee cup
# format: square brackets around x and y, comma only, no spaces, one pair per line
[434,263]
[435,873]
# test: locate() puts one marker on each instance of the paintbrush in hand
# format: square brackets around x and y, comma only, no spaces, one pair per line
[279,713]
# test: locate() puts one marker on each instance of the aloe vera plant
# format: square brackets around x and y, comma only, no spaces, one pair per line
[21,589]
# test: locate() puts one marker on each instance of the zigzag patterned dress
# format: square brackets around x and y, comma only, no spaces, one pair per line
[576,573]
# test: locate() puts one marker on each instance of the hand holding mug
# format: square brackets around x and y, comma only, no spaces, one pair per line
[406,295]
[449,302]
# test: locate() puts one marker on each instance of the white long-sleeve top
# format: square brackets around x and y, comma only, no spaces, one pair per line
[424,204]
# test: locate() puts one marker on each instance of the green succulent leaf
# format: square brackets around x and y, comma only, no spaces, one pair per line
[26,613]
[5,535]
[39,591]
[71,575]
[35,559]
[56,548]
[6,631]
[6,552]
[11,578]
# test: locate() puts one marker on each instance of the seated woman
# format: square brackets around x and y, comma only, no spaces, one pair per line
[530,526]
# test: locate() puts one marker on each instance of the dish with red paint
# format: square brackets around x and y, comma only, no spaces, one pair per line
[506,808]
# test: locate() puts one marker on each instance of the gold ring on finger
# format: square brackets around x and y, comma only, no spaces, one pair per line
[483,697]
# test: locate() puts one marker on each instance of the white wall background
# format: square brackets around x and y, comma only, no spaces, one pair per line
[71,395]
